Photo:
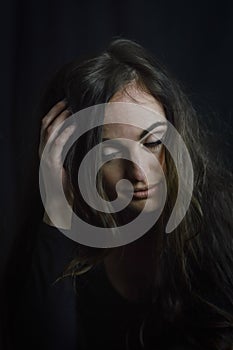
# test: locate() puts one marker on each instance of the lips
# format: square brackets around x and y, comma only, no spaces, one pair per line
[145,192]
[143,188]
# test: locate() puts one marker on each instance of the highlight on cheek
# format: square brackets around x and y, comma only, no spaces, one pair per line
[110,153]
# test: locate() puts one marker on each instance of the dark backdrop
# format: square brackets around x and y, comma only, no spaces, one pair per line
[193,39]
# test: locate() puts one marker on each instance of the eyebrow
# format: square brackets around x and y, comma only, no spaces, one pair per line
[145,132]
[152,127]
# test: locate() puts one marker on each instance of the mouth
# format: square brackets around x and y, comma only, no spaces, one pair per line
[145,192]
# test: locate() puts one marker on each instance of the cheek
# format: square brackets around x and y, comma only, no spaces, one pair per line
[112,172]
[161,159]
[160,163]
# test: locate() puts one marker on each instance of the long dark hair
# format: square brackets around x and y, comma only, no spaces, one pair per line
[194,286]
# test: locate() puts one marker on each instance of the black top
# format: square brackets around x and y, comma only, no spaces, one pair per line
[54,316]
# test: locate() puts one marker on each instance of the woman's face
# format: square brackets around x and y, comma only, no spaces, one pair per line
[146,156]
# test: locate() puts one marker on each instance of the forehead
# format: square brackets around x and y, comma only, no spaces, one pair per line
[131,111]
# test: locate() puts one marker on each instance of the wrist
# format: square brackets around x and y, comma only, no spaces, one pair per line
[59,218]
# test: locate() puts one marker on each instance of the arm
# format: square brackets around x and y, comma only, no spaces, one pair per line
[48,315]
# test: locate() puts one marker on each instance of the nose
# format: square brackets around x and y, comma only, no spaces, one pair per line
[136,166]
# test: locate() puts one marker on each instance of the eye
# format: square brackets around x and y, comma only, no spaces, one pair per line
[154,146]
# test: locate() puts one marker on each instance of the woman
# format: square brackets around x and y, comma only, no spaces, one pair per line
[158,290]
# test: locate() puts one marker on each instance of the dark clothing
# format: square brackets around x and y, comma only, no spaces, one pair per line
[92,316]
[54,316]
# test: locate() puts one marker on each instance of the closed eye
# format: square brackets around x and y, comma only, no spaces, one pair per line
[153,145]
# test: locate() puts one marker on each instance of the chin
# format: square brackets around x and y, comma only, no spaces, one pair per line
[140,205]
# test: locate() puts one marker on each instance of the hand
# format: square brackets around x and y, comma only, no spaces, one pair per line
[53,161]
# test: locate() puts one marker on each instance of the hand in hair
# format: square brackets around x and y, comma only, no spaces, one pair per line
[53,160]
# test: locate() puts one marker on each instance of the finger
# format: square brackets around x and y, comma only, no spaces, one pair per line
[56,140]
[55,123]
[46,136]
[53,113]
[58,143]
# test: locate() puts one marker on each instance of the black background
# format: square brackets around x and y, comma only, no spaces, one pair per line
[192,38]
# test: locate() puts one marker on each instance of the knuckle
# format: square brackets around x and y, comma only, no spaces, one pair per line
[49,130]
[62,102]
[44,121]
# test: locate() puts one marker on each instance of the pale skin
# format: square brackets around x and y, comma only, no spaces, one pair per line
[128,268]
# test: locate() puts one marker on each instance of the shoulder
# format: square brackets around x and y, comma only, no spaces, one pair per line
[49,310]
[52,250]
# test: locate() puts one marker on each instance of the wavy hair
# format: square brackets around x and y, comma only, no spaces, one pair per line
[193,289]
